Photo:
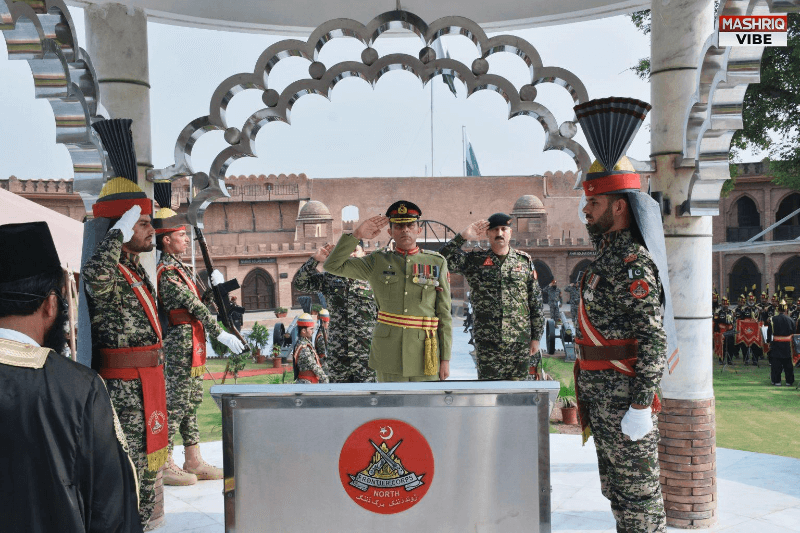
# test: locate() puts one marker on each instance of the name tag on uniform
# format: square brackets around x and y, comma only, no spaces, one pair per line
[388,273]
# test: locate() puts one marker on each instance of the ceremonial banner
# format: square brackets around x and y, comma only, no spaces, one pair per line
[748,332]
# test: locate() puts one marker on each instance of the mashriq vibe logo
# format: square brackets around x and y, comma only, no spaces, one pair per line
[386,466]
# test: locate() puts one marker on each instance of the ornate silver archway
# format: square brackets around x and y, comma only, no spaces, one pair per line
[42,34]
[716,110]
[370,67]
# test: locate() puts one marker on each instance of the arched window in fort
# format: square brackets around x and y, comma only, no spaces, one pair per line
[580,267]
[543,273]
[258,291]
[748,221]
[744,275]
[790,229]
[350,218]
[296,294]
[788,277]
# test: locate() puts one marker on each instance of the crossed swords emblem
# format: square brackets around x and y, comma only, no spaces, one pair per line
[386,459]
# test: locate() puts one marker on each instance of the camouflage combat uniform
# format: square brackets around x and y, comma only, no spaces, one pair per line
[507,302]
[306,359]
[353,315]
[621,294]
[118,321]
[184,391]
[574,299]
[553,295]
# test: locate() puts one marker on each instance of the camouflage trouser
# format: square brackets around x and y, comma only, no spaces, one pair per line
[184,395]
[628,470]
[509,361]
[126,396]
[348,369]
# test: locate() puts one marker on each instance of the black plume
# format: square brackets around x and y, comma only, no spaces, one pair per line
[117,140]
[162,192]
[610,125]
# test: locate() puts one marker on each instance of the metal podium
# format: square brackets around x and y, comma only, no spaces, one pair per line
[465,457]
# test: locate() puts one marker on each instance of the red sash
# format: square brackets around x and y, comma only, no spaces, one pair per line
[719,342]
[182,316]
[153,387]
[590,336]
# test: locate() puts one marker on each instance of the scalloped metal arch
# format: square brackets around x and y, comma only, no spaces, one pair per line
[63,75]
[370,69]
[715,112]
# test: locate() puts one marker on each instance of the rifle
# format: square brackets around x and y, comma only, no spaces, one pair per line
[221,298]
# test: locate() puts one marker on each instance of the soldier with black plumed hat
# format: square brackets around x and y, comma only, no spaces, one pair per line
[63,457]
[780,329]
[505,295]
[413,336]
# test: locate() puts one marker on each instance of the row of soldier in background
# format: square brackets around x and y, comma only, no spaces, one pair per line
[739,330]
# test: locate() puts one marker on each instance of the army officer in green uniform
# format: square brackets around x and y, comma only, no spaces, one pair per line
[413,336]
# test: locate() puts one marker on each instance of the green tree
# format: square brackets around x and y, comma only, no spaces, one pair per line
[771,109]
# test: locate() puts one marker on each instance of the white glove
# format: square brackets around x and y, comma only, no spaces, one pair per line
[217,278]
[127,221]
[637,423]
[231,341]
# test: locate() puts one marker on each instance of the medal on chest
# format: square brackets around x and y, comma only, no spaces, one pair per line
[425,275]
[588,296]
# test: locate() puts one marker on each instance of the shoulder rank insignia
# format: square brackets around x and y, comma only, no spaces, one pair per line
[639,289]
[488,262]
[631,258]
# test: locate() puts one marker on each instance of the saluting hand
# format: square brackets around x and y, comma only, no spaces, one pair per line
[476,230]
[370,228]
[323,253]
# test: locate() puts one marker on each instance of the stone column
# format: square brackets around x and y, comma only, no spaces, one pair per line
[116,38]
[687,450]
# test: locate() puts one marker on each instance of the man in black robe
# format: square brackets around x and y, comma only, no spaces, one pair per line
[64,464]
[779,334]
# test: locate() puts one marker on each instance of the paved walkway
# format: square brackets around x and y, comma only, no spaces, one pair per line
[758,493]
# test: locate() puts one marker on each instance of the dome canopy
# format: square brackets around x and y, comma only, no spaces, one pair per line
[528,205]
[314,211]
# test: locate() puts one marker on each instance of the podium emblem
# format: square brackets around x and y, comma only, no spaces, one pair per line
[386,466]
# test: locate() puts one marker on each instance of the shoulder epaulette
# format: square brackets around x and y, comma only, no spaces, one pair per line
[431,252]
[524,254]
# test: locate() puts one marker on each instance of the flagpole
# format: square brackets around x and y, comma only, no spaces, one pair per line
[431,84]
[464,150]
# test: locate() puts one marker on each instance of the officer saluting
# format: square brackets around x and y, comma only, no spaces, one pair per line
[623,340]
[412,339]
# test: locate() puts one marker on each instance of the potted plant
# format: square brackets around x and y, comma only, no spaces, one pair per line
[277,361]
[258,339]
[315,309]
[281,312]
[569,405]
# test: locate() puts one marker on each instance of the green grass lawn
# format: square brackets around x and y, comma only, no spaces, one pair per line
[752,414]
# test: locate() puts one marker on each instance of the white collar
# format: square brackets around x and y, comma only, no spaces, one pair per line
[14,335]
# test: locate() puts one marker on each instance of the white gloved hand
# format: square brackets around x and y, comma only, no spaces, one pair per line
[637,423]
[217,278]
[231,341]
[127,221]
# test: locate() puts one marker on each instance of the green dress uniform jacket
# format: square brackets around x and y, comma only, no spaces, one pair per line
[398,350]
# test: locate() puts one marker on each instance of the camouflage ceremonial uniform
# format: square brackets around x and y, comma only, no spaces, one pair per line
[507,302]
[184,391]
[574,299]
[353,315]
[307,360]
[621,293]
[119,321]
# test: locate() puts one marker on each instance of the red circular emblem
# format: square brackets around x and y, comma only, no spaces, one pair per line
[156,422]
[640,288]
[386,466]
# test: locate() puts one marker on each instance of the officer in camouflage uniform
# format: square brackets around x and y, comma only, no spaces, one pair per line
[506,298]
[321,336]
[307,366]
[352,318]
[623,336]
[126,335]
[553,299]
[574,298]
[184,308]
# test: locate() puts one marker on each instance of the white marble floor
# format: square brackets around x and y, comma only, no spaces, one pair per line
[757,493]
